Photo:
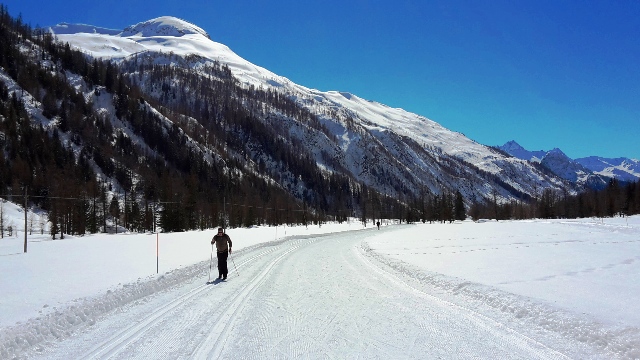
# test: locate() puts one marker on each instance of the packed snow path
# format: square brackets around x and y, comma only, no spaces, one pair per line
[305,297]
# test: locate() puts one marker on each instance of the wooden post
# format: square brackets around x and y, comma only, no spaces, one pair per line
[157,254]
[25,219]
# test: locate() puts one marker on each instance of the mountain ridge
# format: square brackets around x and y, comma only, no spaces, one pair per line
[163,26]
[582,170]
[339,111]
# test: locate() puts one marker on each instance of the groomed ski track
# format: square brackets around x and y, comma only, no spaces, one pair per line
[303,297]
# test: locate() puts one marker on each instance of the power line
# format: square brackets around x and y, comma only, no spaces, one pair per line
[336,212]
[155,202]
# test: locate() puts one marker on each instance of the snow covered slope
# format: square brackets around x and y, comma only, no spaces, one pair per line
[162,35]
[413,151]
[622,168]
[65,28]
[592,171]
[563,166]
[168,34]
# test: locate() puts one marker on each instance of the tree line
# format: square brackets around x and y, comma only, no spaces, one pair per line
[616,199]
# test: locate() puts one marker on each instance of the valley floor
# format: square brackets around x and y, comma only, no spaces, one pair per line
[437,291]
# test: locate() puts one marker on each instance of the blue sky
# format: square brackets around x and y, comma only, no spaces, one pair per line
[545,73]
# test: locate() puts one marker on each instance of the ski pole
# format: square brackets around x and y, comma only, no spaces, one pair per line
[234,264]
[210,262]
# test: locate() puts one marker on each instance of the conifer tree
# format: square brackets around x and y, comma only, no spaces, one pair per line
[460,212]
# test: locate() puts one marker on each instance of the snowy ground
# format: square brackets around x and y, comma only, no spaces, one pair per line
[511,290]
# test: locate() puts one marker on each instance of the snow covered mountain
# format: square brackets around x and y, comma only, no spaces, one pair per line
[592,172]
[561,165]
[515,149]
[389,149]
[621,168]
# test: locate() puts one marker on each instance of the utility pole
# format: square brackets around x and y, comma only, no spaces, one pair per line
[25,218]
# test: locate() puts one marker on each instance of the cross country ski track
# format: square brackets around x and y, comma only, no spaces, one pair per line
[303,297]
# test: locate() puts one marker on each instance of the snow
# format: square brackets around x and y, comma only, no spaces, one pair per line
[518,151]
[66,28]
[164,26]
[540,288]
[95,263]
[586,266]
[577,169]
[622,168]
[32,106]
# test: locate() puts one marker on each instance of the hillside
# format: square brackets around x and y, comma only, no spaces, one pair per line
[379,146]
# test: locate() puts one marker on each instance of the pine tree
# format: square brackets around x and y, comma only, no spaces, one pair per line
[114,210]
[460,212]
[3,219]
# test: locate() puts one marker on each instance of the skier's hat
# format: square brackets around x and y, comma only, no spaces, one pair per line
[220,229]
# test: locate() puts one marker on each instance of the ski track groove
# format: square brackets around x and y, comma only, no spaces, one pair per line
[121,340]
[213,345]
[474,316]
[168,340]
[291,335]
[118,342]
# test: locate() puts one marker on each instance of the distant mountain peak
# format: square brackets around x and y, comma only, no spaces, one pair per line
[512,144]
[164,26]
[557,152]
[589,171]
[515,149]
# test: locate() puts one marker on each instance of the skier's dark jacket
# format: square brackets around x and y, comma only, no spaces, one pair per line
[221,242]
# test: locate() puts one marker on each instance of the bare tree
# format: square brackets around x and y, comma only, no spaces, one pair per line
[3,219]
[31,221]
[10,229]
[41,223]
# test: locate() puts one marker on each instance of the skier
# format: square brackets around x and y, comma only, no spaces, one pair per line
[221,240]
[378,223]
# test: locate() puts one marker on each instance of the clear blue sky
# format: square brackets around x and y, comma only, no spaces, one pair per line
[546,73]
